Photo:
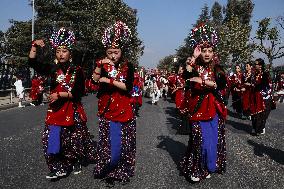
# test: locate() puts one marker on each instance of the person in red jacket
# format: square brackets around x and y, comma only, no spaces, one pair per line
[116,149]
[66,139]
[260,98]
[206,153]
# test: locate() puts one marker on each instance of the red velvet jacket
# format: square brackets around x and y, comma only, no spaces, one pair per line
[115,104]
[63,79]
[204,103]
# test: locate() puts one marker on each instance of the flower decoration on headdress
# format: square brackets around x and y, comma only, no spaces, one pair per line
[203,34]
[63,38]
[116,36]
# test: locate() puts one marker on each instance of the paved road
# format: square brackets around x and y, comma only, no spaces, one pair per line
[253,162]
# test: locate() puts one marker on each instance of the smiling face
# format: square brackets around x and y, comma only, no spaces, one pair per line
[63,55]
[113,54]
[207,54]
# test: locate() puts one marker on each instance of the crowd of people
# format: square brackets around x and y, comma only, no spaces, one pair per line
[199,87]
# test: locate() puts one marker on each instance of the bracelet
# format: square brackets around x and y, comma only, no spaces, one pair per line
[111,81]
[203,82]
[34,44]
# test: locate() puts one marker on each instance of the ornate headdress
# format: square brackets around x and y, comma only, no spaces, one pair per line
[203,34]
[63,38]
[116,36]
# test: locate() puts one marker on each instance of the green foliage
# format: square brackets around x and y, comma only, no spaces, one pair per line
[204,17]
[87,18]
[234,46]
[269,40]
[216,14]
[167,63]
[17,42]
[241,9]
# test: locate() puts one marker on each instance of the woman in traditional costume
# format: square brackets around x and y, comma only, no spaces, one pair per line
[116,148]
[206,152]
[261,98]
[66,139]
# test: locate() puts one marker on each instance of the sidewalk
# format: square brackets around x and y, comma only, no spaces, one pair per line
[6,104]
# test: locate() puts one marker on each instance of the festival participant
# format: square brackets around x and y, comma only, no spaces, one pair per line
[154,89]
[20,91]
[164,86]
[237,90]
[280,87]
[116,148]
[172,84]
[66,139]
[261,98]
[37,88]
[136,93]
[247,90]
[206,152]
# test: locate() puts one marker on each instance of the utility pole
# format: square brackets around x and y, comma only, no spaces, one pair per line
[33,20]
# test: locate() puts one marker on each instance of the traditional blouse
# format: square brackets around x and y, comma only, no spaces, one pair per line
[115,104]
[65,77]
[205,102]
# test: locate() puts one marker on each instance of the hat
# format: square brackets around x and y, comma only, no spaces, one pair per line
[204,35]
[116,36]
[63,38]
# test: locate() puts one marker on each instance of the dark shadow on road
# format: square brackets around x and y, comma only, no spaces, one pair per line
[176,149]
[239,126]
[275,154]
[173,119]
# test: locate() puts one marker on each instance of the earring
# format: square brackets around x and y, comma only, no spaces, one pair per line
[56,61]
[70,60]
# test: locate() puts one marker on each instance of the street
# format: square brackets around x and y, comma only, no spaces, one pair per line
[252,161]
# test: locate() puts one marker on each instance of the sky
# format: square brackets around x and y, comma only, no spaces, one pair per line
[163,24]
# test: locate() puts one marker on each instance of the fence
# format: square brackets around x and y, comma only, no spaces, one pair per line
[9,96]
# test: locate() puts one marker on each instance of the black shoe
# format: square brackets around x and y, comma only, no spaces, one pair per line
[77,169]
[51,175]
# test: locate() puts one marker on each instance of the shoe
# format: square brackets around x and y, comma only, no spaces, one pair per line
[77,169]
[21,106]
[51,175]
[253,131]
[208,176]
[32,104]
[263,132]
[42,104]
[194,179]
[54,175]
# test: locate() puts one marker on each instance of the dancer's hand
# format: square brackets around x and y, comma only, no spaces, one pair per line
[39,42]
[196,79]
[104,80]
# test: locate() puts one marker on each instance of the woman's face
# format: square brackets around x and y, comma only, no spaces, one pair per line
[113,54]
[257,66]
[180,70]
[238,69]
[63,55]
[207,54]
[248,67]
